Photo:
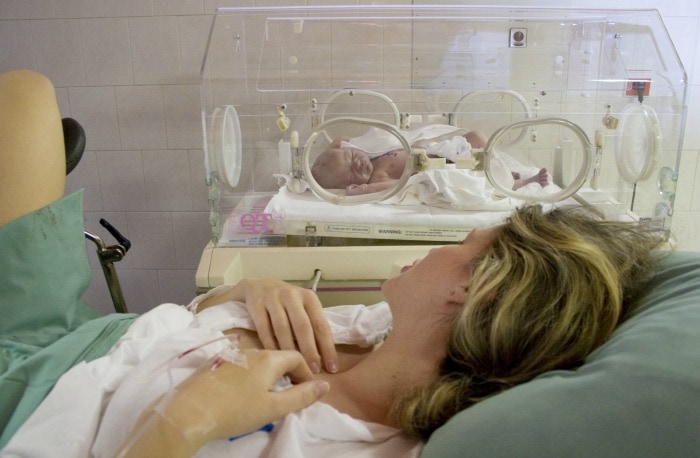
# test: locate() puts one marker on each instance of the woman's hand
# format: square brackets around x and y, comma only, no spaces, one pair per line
[224,400]
[241,399]
[286,317]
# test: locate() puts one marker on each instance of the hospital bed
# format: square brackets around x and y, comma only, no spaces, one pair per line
[594,96]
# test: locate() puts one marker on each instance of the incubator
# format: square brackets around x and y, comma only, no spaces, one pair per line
[344,141]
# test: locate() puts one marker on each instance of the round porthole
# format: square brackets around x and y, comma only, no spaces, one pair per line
[637,142]
[357,98]
[225,144]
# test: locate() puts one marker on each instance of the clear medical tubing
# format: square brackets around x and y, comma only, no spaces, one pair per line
[569,190]
[342,199]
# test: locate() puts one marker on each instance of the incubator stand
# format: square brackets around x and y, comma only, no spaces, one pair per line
[595,97]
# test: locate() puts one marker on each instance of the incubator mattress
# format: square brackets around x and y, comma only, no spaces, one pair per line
[294,212]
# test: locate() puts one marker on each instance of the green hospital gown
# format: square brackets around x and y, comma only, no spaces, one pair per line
[45,327]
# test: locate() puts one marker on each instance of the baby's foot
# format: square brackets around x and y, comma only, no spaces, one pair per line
[540,178]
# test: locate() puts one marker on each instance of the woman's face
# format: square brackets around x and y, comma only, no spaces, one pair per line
[442,277]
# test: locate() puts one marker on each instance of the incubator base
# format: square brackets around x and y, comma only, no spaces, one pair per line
[348,275]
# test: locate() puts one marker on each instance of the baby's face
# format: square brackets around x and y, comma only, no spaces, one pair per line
[341,167]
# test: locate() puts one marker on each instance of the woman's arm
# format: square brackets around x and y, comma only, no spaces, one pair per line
[286,317]
[223,401]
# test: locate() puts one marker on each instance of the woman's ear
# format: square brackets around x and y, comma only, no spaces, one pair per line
[458,296]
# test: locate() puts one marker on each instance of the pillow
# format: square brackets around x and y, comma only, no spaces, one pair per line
[637,395]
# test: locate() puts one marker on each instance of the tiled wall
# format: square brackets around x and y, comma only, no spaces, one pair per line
[128,70]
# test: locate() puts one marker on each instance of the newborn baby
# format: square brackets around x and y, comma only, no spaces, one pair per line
[343,166]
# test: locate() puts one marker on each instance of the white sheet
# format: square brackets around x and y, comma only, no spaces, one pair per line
[438,139]
[289,206]
[93,407]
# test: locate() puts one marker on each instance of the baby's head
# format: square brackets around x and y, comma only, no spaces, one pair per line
[337,168]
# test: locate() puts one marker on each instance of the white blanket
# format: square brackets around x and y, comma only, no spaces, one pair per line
[94,406]
[437,139]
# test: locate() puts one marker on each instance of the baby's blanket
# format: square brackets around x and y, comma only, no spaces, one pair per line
[438,140]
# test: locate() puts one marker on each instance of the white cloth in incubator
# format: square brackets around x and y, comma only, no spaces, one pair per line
[449,187]
[93,407]
[438,139]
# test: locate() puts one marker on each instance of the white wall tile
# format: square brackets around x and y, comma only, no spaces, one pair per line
[680,28]
[167,177]
[644,4]
[693,67]
[95,108]
[63,102]
[97,294]
[686,8]
[183,116]
[594,4]
[177,286]
[86,176]
[140,288]
[200,192]
[107,51]
[124,8]
[78,8]
[695,196]
[686,230]
[177,7]
[29,9]
[155,49]
[58,51]
[692,134]
[121,180]
[152,245]
[685,187]
[141,117]
[192,232]
[16,50]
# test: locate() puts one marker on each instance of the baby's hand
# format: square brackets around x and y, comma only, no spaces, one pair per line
[356,189]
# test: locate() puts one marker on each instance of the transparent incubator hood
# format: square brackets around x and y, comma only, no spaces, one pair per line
[416,124]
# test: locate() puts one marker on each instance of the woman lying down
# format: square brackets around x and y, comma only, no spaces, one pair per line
[457,327]
[467,322]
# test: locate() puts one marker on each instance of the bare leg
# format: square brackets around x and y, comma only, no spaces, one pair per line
[32,153]
[476,139]
[540,177]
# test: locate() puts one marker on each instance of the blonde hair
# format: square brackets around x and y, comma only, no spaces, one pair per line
[549,289]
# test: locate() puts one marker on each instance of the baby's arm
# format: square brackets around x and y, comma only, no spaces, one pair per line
[337,141]
[357,189]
